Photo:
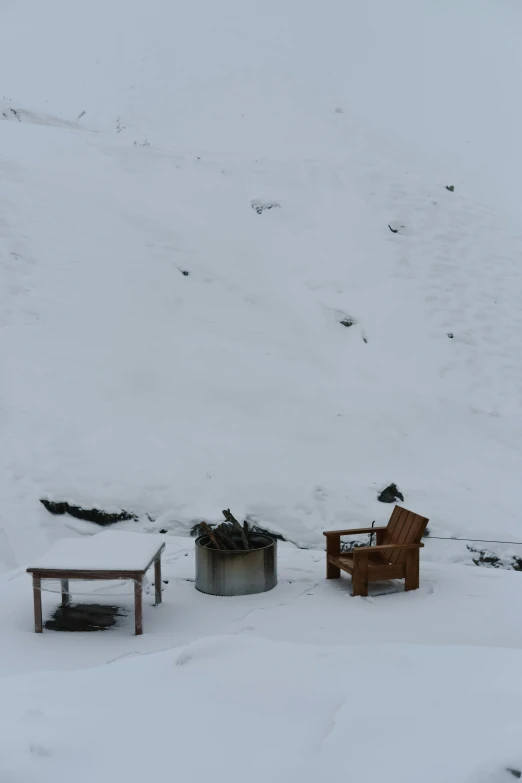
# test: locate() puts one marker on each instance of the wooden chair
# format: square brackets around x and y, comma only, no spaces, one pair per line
[395,556]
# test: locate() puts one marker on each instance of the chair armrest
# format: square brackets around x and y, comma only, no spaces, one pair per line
[356,530]
[380,547]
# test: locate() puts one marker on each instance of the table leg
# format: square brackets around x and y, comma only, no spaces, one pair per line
[37,597]
[65,592]
[138,605]
[157,579]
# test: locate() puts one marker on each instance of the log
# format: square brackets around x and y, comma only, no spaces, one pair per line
[236,527]
[226,542]
[242,535]
[229,516]
[230,534]
[207,530]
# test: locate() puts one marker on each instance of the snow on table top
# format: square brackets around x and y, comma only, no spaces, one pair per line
[114,550]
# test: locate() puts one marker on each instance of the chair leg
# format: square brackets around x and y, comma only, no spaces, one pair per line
[412,570]
[333,547]
[360,574]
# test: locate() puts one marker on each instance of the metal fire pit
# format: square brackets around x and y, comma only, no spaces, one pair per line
[232,572]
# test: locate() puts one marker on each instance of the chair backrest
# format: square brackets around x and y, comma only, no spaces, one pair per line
[404,527]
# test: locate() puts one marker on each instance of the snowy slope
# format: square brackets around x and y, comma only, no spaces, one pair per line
[439,75]
[127,384]
[131,385]
[193,197]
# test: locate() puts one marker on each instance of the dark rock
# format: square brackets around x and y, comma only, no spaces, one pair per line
[163,531]
[260,206]
[450,335]
[491,560]
[391,494]
[515,772]
[84,617]
[184,272]
[347,322]
[393,230]
[95,515]
[451,188]
[484,557]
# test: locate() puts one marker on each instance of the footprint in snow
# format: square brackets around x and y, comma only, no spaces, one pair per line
[184,658]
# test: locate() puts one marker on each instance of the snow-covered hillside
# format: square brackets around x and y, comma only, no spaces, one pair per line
[239,75]
[177,262]
[263,256]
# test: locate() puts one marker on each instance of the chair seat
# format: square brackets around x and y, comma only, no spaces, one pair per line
[378,567]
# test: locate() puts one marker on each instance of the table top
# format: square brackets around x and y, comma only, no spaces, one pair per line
[111,550]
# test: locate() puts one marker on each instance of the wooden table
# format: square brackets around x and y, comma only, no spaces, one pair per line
[112,554]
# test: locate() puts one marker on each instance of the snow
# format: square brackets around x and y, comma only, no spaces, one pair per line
[129,384]
[111,550]
[194,197]
[455,605]
[420,685]
[241,76]
[360,709]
